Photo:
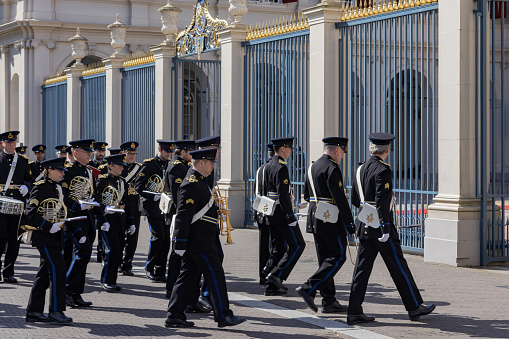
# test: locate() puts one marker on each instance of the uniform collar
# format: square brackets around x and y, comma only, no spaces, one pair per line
[51,181]
[375,158]
[197,174]
[7,154]
[280,160]
[77,163]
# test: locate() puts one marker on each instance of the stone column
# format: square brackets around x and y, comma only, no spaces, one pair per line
[164,118]
[4,87]
[453,223]
[113,126]
[324,74]
[74,101]
[232,121]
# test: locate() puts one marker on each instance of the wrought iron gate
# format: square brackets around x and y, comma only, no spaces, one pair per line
[54,115]
[492,132]
[93,105]
[388,82]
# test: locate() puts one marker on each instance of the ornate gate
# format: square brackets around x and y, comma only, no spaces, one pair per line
[388,81]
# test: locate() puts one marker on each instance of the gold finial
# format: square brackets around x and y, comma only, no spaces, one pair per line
[370,11]
[403,4]
[342,13]
[412,4]
[281,29]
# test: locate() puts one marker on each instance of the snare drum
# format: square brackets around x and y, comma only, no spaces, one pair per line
[11,206]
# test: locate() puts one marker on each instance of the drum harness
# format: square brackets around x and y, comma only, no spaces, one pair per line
[11,173]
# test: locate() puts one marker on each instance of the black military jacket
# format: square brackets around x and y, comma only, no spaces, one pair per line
[328,182]
[36,168]
[201,236]
[76,169]
[173,177]
[43,189]
[376,180]
[260,218]
[101,166]
[22,175]
[119,222]
[133,197]
[151,167]
[277,186]
[211,179]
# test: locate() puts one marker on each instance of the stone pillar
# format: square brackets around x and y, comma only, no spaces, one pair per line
[232,121]
[453,223]
[324,74]
[74,102]
[4,87]
[164,118]
[113,100]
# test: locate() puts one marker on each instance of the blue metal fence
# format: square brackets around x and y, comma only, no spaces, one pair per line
[138,108]
[388,82]
[492,132]
[54,116]
[276,103]
[93,107]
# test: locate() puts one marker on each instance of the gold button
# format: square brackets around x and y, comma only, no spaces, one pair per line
[365,232]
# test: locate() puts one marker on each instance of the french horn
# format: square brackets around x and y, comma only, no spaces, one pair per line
[52,210]
[80,188]
[110,196]
[155,184]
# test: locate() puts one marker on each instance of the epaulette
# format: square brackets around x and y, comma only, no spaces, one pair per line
[282,162]
[383,162]
[192,178]
[102,166]
[176,162]
[147,160]
[31,162]
[102,176]
[23,156]
[139,164]
[333,161]
[68,165]
[39,182]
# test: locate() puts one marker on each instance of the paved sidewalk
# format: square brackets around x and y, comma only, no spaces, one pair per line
[470,302]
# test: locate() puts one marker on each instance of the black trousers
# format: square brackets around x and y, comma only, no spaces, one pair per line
[396,264]
[331,254]
[174,264]
[111,242]
[211,267]
[264,246]
[277,249]
[68,250]
[9,237]
[82,252]
[129,243]
[159,246]
[291,253]
[51,275]
[100,246]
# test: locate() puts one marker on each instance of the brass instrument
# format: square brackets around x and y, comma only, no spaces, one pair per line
[155,184]
[80,188]
[222,207]
[52,210]
[110,196]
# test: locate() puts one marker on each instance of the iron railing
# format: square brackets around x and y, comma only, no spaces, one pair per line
[93,107]
[54,116]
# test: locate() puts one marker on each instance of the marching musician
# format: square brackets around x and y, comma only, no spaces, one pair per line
[36,166]
[99,166]
[80,183]
[16,180]
[99,153]
[21,150]
[149,184]
[49,241]
[213,142]
[129,242]
[111,193]
[324,182]
[70,154]
[61,151]
[196,239]
[283,223]
[375,179]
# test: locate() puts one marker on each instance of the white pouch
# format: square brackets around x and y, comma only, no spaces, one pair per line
[165,203]
[266,206]
[368,213]
[325,211]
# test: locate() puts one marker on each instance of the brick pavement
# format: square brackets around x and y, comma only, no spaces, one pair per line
[470,302]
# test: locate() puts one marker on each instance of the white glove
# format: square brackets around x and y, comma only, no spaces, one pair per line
[293,224]
[56,227]
[180,252]
[91,200]
[384,237]
[105,227]
[85,207]
[157,197]
[108,210]
[82,239]
[23,190]
[131,230]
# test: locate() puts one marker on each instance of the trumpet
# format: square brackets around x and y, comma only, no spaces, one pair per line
[222,206]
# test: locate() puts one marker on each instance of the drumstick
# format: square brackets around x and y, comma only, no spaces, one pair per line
[83,217]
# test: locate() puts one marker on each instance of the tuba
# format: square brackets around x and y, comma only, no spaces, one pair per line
[155,184]
[222,209]
[80,188]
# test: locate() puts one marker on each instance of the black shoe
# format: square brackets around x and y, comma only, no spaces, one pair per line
[9,279]
[127,272]
[177,323]
[309,300]
[119,269]
[150,275]
[230,320]
[36,317]
[59,318]
[421,310]
[335,307]
[273,291]
[78,300]
[111,288]
[359,319]
[70,301]
[204,303]
[276,281]
[160,278]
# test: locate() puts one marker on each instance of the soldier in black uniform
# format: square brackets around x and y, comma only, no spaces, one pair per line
[80,234]
[21,150]
[61,151]
[376,182]
[113,224]
[114,151]
[49,242]
[198,244]
[99,153]
[151,174]
[213,142]
[18,188]
[70,154]
[330,237]
[264,244]
[99,167]
[130,241]
[36,166]
[283,223]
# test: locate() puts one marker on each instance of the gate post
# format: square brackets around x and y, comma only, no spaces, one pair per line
[74,101]
[232,182]
[163,55]
[324,74]
[453,226]
[113,123]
